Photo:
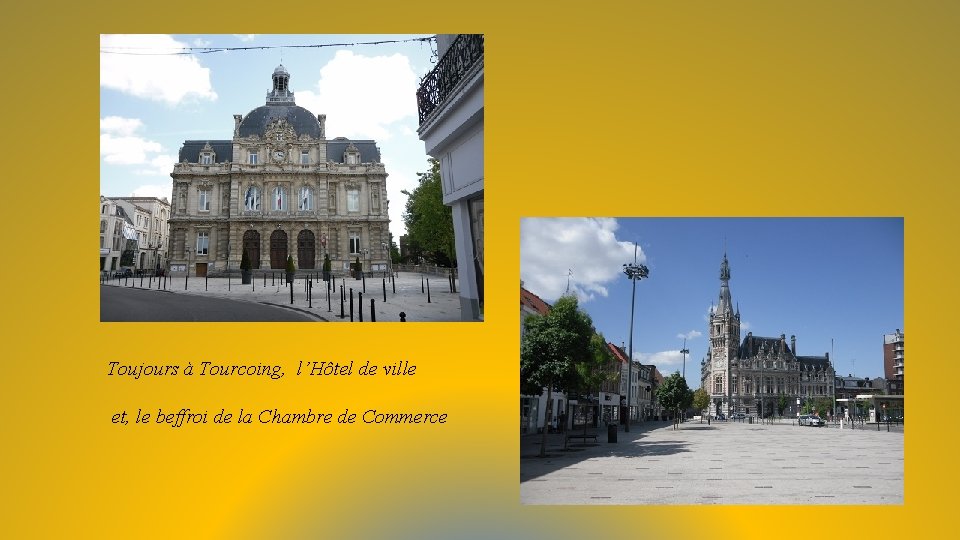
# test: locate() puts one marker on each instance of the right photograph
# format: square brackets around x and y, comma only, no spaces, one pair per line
[712,361]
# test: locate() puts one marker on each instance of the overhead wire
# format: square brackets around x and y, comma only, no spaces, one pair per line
[208,50]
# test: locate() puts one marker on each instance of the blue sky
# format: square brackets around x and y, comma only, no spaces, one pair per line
[150,103]
[816,278]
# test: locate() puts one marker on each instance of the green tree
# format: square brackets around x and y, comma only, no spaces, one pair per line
[552,346]
[429,222]
[674,395]
[701,399]
[594,370]
[782,403]
[245,263]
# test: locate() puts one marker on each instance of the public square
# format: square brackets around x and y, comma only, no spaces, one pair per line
[268,291]
[726,463]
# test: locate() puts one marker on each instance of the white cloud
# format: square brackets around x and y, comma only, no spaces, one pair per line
[245,37]
[119,145]
[171,79]
[159,166]
[689,335]
[587,246]
[120,125]
[153,190]
[200,42]
[744,326]
[363,96]
[664,360]
[126,150]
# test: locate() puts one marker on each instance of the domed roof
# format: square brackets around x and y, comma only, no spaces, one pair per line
[301,120]
[281,71]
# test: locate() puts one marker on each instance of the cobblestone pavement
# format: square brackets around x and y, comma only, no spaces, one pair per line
[720,463]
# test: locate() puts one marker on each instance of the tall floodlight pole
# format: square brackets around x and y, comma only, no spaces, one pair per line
[685,352]
[633,272]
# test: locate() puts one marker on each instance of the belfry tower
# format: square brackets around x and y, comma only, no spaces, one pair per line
[724,345]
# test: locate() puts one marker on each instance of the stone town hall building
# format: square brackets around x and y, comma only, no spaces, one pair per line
[279,187]
[750,376]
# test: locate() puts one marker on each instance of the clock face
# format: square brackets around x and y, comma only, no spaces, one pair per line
[278,155]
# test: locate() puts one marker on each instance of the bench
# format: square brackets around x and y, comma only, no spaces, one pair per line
[582,436]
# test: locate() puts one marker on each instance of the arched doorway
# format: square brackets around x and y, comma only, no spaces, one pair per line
[306,249]
[278,249]
[251,244]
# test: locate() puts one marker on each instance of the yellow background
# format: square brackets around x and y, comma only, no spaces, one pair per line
[616,108]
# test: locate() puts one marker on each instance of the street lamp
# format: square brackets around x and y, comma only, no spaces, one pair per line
[633,272]
[685,352]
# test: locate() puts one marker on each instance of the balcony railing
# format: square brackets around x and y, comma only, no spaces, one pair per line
[464,53]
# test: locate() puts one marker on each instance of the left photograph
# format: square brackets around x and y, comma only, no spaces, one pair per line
[291,178]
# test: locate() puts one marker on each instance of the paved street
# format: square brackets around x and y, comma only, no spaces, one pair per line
[143,305]
[443,305]
[721,463]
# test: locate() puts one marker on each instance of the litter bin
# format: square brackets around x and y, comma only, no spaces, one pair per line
[611,433]
[751,419]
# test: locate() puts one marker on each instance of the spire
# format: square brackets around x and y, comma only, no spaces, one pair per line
[725,304]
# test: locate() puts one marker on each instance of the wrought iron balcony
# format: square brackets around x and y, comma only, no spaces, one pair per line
[464,53]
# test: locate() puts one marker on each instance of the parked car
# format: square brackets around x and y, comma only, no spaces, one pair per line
[126,272]
[803,419]
[815,420]
[738,416]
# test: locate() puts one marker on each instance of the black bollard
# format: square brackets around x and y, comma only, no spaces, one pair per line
[373,314]
[360,306]
[428,290]
[253,282]
[450,281]
[186,278]
[341,302]
[403,317]
[272,277]
[141,279]
[310,294]
[421,285]
[328,297]
[363,278]
[206,281]
[351,304]
[291,294]
[394,283]
[384,289]
[264,280]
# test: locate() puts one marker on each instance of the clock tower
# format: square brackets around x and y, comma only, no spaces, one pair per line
[724,342]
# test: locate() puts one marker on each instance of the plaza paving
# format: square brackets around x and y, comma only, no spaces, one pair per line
[721,463]
[443,306]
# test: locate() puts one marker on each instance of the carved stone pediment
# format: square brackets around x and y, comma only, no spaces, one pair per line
[278,129]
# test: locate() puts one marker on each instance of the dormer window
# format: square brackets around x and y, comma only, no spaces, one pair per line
[206,158]
[351,156]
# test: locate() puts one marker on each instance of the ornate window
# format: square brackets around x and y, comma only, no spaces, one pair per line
[279,198]
[354,243]
[306,198]
[103,225]
[203,203]
[251,200]
[718,384]
[304,157]
[252,157]
[206,158]
[203,242]
[353,200]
